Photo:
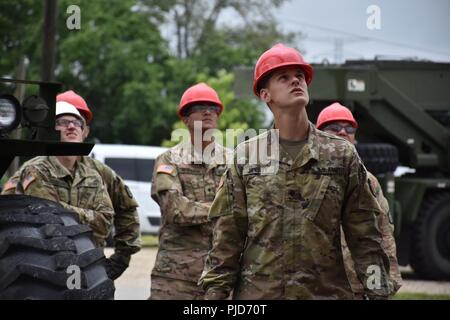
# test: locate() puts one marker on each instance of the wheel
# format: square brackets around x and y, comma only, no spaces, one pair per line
[430,245]
[45,253]
[378,157]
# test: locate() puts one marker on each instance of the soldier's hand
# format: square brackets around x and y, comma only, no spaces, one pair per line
[116,265]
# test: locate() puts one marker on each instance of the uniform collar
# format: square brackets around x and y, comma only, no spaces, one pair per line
[81,171]
[310,150]
[184,153]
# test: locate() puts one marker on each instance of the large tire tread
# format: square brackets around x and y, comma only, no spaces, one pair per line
[39,240]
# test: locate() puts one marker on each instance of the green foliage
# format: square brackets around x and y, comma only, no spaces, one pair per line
[420,296]
[122,65]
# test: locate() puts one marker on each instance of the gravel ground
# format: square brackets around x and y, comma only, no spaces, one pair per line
[134,284]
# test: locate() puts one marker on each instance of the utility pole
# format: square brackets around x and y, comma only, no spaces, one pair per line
[49,41]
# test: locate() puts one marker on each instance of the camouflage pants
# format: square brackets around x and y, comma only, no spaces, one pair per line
[174,289]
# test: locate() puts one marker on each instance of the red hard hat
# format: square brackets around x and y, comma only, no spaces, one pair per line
[276,57]
[335,112]
[200,92]
[78,102]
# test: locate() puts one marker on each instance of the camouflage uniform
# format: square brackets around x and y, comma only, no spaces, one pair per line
[83,192]
[278,236]
[184,192]
[388,242]
[126,219]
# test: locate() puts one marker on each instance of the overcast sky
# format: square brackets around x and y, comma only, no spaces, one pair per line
[338,29]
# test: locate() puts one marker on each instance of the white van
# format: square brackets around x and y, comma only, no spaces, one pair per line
[135,165]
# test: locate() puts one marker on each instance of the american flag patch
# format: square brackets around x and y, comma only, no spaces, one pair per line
[165,168]
[10,184]
[27,181]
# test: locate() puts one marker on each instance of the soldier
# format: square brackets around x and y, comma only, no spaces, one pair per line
[126,220]
[338,120]
[184,185]
[277,224]
[65,179]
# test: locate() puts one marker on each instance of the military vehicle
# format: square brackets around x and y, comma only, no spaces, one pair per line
[45,253]
[403,111]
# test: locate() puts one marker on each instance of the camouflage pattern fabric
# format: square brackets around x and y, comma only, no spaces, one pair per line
[163,288]
[126,219]
[388,243]
[278,235]
[82,192]
[184,192]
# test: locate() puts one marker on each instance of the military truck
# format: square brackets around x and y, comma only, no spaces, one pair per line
[45,253]
[403,111]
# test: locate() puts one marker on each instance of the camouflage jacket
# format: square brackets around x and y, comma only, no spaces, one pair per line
[184,192]
[277,233]
[126,219]
[84,192]
[388,242]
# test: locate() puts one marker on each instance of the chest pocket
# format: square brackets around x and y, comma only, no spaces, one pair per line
[62,188]
[86,196]
[264,191]
[193,184]
[313,189]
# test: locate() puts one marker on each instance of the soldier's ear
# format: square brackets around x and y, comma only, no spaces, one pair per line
[86,131]
[265,95]
[185,120]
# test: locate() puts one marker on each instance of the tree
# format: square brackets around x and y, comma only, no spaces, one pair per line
[123,66]
[20,34]
[117,61]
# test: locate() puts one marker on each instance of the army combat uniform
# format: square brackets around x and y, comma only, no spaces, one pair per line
[126,219]
[184,192]
[83,192]
[388,242]
[278,235]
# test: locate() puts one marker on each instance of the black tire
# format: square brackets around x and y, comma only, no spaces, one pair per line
[378,157]
[39,240]
[430,245]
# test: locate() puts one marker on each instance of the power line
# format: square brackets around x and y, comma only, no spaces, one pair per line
[365,38]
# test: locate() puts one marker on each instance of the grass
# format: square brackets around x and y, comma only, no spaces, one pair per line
[149,241]
[420,296]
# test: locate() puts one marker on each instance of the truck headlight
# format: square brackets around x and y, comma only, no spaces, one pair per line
[10,113]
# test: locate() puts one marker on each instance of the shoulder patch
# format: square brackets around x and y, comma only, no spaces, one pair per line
[27,181]
[371,187]
[10,184]
[165,168]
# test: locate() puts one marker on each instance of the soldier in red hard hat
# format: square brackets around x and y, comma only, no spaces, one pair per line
[184,190]
[277,232]
[126,235]
[72,119]
[71,98]
[338,120]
